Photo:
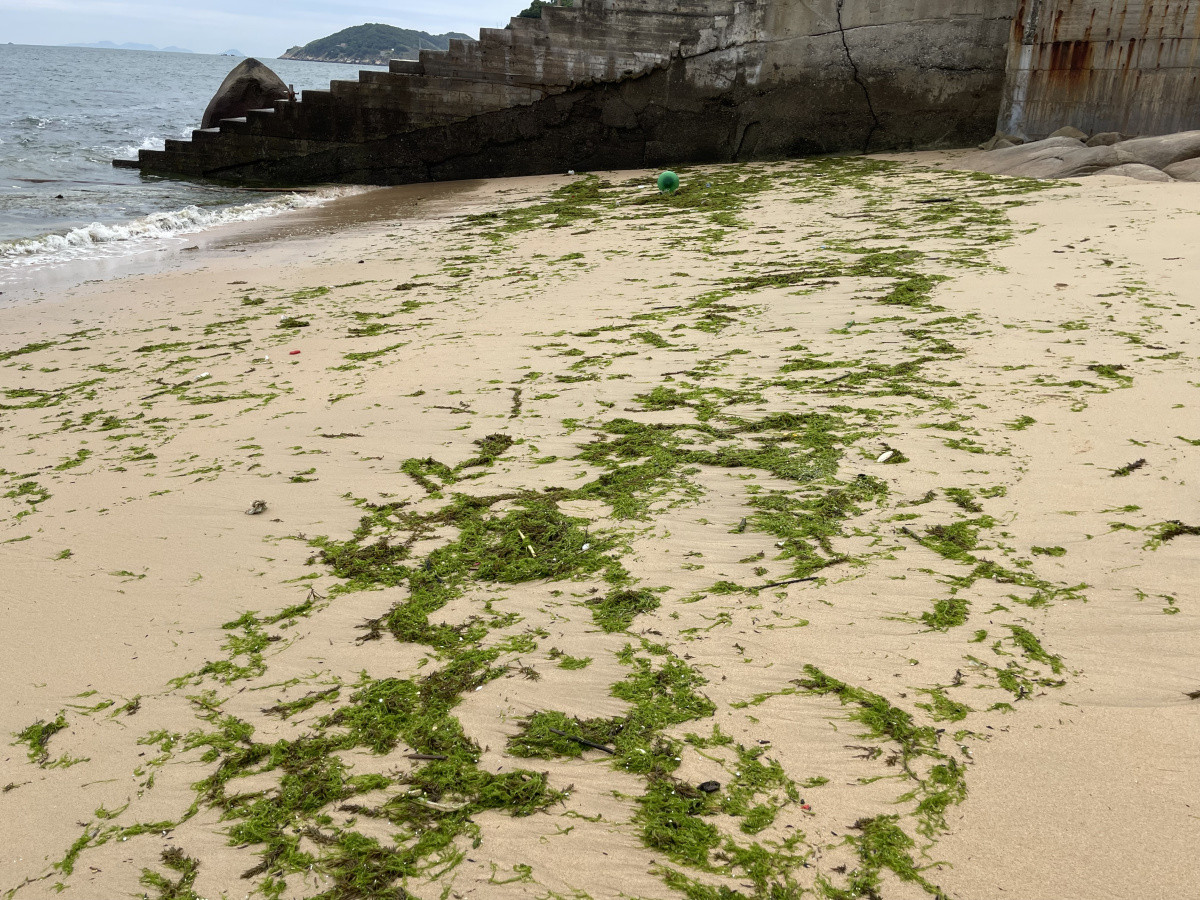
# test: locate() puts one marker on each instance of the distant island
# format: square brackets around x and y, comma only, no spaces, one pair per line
[109,45]
[372,45]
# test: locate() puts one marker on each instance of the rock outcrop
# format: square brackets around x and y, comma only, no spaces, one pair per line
[1163,158]
[251,85]
[1188,170]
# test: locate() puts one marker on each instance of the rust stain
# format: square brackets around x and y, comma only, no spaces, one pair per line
[1112,54]
[1071,58]
[1092,57]
[1018,29]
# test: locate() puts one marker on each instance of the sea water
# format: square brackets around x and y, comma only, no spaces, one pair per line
[68,112]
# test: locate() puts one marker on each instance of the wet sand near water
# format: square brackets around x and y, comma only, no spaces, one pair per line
[364,206]
[379,205]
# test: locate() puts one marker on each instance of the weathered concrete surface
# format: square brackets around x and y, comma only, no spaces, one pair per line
[1131,66]
[633,83]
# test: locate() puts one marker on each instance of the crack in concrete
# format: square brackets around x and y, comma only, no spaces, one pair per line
[875,123]
[898,23]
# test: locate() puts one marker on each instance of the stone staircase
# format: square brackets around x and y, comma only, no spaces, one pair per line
[593,41]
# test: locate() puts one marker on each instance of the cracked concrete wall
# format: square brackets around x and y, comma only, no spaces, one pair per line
[756,79]
[1131,66]
[867,74]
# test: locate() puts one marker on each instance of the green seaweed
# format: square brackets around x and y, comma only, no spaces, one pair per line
[37,737]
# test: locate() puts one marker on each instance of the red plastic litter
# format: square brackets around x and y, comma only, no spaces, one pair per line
[293,353]
[805,806]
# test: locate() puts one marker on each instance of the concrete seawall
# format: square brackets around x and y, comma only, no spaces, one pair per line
[635,82]
[644,82]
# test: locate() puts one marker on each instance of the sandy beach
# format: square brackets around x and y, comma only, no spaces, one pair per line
[829,528]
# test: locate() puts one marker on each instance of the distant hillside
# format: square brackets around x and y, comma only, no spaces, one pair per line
[372,45]
[109,45]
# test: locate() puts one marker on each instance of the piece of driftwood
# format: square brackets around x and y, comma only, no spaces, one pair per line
[584,741]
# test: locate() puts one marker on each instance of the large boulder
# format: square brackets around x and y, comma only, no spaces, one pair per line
[1070,131]
[1139,171]
[1188,170]
[1066,157]
[251,85]
[1060,157]
[1001,141]
[1107,138]
[1164,150]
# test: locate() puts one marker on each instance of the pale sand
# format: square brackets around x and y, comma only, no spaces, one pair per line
[1080,790]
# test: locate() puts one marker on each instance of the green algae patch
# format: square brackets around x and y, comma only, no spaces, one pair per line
[186,869]
[37,738]
[947,613]
[36,347]
[881,844]
[878,716]
[617,609]
[1163,532]
[533,541]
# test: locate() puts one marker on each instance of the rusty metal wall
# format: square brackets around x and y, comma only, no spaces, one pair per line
[1103,65]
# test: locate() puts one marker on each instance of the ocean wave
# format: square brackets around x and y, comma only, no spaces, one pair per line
[98,239]
[130,151]
[150,142]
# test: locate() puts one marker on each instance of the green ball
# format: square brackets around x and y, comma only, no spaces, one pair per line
[668,182]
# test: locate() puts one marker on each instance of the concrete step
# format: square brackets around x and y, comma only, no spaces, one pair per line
[239,125]
[491,36]
[206,135]
[374,77]
[316,97]
[343,89]
[406,67]
[506,68]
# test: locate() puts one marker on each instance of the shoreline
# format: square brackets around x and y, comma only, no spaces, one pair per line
[755,441]
[34,282]
[338,214]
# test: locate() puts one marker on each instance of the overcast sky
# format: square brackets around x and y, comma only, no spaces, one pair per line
[213,26]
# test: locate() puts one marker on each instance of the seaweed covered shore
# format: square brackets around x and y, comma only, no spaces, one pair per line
[820,529]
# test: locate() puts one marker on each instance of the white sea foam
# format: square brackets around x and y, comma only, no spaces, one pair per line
[130,151]
[99,239]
